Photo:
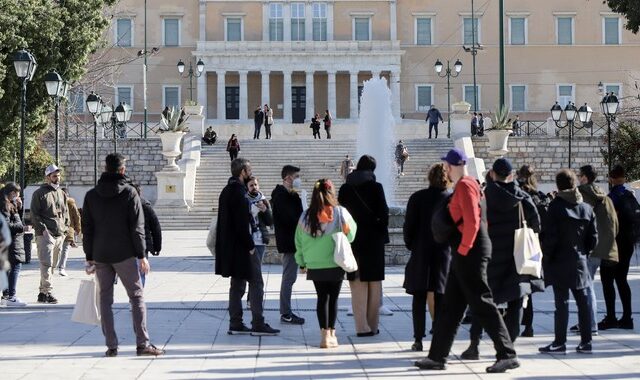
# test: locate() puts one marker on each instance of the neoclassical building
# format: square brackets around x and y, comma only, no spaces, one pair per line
[303,57]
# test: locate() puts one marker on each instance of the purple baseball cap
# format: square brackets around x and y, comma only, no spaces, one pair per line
[455,157]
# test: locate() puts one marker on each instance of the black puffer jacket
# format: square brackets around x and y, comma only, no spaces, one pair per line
[287,208]
[503,218]
[112,221]
[152,229]
[16,228]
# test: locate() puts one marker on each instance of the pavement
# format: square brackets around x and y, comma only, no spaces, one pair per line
[187,316]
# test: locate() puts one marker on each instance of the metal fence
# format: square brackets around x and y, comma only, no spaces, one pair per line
[79,131]
[539,128]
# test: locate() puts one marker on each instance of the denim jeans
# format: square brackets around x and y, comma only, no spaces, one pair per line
[62,260]
[561,315]
[12,277]
[593,263]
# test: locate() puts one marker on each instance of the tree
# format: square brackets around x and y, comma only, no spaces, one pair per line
[60,34]
[625,144]
[628,8]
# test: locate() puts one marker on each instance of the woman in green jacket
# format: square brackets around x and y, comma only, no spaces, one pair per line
[314,253]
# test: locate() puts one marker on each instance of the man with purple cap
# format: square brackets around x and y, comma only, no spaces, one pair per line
[467,281]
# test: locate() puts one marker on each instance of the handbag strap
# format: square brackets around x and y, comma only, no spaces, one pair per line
[523,221]
[363,202]
[339,219]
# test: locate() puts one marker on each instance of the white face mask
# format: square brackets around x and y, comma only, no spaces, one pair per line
[297,183]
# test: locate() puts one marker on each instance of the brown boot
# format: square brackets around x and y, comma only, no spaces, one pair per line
[324,336]
[332,340]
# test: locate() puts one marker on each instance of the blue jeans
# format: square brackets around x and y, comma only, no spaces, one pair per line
[12,276]
[593,263]
[561,315]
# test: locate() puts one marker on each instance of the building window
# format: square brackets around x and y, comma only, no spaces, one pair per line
[276,22]
[469,32]
[518,34]
[611,30]
[319,21]
[124,94]
[518,98]
[565,94]
[297,22]
[362,29]
[468,95]
[171,96]
[423,31]
[171,32]
[233,29]
[124,32]
[565,30]
[76,101]
[424,97]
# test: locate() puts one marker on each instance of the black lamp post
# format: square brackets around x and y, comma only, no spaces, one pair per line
[116,116]
[25,66]
[609,105]
[570,111]
[191,74]
[94,105]
[55,88]
[448,74]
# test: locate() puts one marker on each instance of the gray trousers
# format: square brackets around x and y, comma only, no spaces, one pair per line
[256,292]
[48,253]
[64,254]
[127,271]
[289,276]
[593,263]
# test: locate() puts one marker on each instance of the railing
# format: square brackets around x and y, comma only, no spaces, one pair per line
[531,128]
[528,128]
[240,47]
[79,131]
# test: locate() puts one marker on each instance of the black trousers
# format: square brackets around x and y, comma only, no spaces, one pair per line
[467,285]
[316,132]
[527,313]
[328,130]
[512,319]
[233,154]
[561,315]
[256,130]
[618,274]
[419,312]
[433,126]
[327,306]
[267,131]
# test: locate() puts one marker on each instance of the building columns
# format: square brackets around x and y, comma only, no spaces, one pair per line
[286,87]
[243,95]
[393,17]
[310,111]
[265,87]
[331,92]
[222,109]
[202,92]
[394,85]
[353,94]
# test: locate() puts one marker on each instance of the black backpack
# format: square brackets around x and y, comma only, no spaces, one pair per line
[631,210]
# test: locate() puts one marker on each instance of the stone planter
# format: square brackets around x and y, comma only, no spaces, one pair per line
[498,139]
[193,110]
[171,149]
[460,107]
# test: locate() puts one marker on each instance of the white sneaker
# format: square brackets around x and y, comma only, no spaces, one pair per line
[14,302]
[385,310]
[62,272]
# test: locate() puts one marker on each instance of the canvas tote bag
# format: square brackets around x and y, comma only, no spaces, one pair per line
[342,253]
[527,252]
[86,309]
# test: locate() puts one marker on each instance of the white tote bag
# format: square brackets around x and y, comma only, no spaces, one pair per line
[342,254]
[527,252]
[86,309]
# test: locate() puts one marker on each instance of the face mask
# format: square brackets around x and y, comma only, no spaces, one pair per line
[15,199]
[55,185]
[297,183]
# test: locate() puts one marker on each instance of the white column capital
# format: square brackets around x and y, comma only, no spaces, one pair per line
[243,73]
[265,72]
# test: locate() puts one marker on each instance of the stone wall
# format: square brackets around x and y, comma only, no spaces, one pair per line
[144,158]
[549,154]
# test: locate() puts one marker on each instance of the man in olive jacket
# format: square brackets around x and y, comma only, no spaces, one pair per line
[113,241]
[50,219]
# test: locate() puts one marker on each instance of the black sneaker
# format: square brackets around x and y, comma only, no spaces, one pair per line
[416,346]
[264,330]
[502,365]
[626,324]
[608,323]
[584,348]
[239,330]
[471,353]
[42,298]
[112,352]
[149,350]
[47,298]
[554,349]
[291,319]
[527,332]
[575,329]
[427,363]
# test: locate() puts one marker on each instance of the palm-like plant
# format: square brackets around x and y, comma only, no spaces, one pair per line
[500,120]
[174,121]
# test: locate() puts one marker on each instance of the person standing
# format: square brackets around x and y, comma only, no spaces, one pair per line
[50,218]
[433,118]
[113,241]
[235,253]
[314,253]
[152,230]
[75,228]
[607,225]
[258,120]
[365,200]
[268,120]
[262,217]
[480,131]
[10,212]
[346,167]
[568,237]
[327,123]
[233,147]
[467,280]
[287,208]
[628,211]
[402,155]
[474,124]
[425,275]
[315,126]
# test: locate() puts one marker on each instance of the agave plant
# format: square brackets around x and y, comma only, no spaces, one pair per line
[500,120]
[174,121]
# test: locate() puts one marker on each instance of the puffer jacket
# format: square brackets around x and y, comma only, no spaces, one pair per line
[607,221]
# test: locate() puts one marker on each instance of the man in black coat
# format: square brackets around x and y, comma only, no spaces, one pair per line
[568,237]
[505,199]
[287,208]
[113,242]
[235,250]
[258,119]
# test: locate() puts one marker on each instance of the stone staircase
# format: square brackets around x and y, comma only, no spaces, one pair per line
[316,158]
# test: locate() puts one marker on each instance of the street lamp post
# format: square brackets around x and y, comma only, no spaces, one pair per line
[448,74]
[570,111]
[191,74]
[55,88]
[94,105]
[609,105]
[115,115]
[25,66]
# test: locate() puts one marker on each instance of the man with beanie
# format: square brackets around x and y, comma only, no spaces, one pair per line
[113,241]
[467,281]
